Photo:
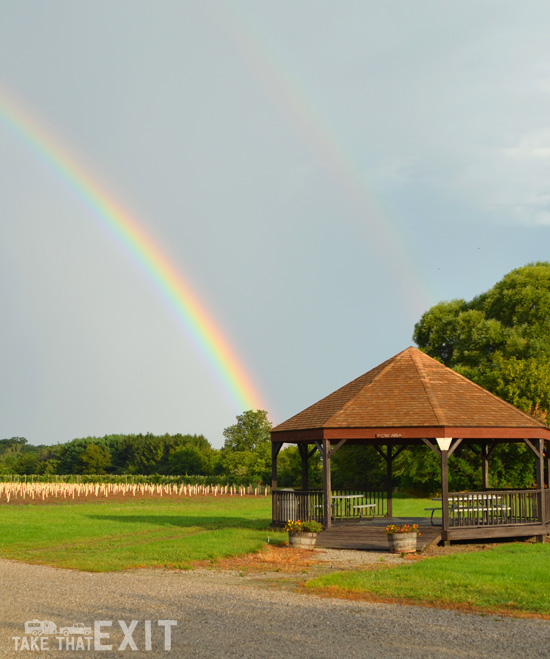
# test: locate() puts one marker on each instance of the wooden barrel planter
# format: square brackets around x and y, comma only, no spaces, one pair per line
[302,540]
[402,543]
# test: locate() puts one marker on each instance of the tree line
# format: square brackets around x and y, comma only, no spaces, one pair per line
[500,340]
[244,456]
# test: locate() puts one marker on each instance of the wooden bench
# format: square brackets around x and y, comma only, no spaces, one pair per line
[364,506]
[484,510]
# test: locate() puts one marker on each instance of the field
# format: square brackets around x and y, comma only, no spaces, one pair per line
[99,530]
[172,531]
[123,534]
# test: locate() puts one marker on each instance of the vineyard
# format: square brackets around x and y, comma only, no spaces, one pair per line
[49,492]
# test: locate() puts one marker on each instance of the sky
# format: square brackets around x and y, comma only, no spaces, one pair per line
[214,206]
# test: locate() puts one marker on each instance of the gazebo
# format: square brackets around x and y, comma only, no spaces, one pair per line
[410,400]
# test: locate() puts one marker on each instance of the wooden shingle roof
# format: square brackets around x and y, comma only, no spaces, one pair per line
[412,391]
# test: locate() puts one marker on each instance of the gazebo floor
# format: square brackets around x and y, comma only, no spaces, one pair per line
[371,535]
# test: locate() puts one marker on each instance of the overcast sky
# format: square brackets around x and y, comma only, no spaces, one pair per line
[320,173]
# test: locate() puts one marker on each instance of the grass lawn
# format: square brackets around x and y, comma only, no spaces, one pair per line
[102,537]
[174,533]
[405,506]
[510,577]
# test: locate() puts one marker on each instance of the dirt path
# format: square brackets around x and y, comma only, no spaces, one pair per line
[247,608]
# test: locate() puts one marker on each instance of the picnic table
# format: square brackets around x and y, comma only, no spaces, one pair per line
[349,507]
[473,504]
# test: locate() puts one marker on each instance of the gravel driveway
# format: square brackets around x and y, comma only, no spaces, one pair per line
[221,614]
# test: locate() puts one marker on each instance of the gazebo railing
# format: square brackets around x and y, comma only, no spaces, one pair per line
[308,505]
[350,504]
[495,508]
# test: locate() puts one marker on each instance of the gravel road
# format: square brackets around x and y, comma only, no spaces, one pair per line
[222,614]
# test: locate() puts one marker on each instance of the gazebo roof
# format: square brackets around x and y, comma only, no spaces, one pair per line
[410,395]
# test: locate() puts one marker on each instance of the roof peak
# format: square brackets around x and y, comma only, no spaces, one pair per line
[414,390]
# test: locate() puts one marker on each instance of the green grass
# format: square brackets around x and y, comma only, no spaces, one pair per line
[102,537]
[175,533]
[510,577]
[405,506]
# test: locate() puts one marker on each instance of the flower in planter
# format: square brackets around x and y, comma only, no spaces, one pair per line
[391,529]
[303,527]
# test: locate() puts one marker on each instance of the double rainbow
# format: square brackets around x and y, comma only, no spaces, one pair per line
[207,334]
[375,224]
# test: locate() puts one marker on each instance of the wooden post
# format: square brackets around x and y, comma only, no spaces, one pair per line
[304,454]
[485,466]
[275,448]
[445,495]
[327,503]
[389,474]
[540,484]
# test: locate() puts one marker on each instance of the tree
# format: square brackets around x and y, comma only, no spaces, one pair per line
[141,454]
[252,431]
[358,467]
[95,459]
[247,449]
[26,463]
[289,469]
[192,455]
[501,339]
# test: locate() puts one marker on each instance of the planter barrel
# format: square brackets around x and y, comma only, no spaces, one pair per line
[402,543]
[302,540]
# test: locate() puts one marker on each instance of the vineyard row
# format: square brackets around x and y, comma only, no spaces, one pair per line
[46,491]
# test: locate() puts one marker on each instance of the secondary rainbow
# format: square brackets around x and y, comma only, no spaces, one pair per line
[278,78]
[133,236]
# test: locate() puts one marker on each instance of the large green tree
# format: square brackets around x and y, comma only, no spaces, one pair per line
[500,339]
[191,454]
[95,459]
[246,453]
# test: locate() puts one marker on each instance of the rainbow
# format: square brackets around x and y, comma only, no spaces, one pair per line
[380,230]
[207,335]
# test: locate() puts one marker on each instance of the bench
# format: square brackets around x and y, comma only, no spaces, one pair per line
[433,511]
[484,510]
[364,506]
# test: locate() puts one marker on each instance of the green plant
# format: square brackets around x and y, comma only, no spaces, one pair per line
[391,529]
[303,527]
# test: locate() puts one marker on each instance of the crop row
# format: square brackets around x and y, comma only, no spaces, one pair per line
[46,491]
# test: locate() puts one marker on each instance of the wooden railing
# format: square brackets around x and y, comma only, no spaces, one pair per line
[495,508]
[305,505]
[350,508]
[546,506]
[308,505]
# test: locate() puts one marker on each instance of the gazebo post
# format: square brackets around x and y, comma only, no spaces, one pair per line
[389,475]
[445,494]
[304,454]
[327,503]
[275,448]
[485,465]
[540,484]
